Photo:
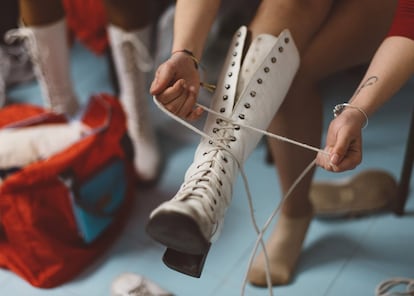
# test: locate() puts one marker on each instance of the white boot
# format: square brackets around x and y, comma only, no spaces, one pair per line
[49,50]
[132,60]
[192,219]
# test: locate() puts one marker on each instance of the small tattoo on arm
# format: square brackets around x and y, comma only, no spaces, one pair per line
[370,81]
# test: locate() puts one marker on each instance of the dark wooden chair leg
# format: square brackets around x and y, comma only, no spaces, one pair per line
[404,183]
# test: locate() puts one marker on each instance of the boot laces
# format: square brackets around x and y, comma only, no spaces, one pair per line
[141,61]
[26,35]
[206,184]
[142,58]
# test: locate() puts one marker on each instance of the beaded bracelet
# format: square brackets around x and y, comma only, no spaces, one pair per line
[340,107]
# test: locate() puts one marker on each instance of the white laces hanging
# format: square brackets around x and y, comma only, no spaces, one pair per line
[259,231]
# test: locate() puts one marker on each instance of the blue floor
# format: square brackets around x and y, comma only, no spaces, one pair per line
[341,257]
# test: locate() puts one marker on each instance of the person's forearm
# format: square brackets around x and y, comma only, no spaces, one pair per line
[193,20]
[389,70]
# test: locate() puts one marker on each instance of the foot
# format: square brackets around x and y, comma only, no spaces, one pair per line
[283,249]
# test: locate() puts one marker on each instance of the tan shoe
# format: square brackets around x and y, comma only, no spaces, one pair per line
[364,193]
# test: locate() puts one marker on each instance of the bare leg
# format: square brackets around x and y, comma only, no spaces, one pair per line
[128,14]
[347,36]
[40,12]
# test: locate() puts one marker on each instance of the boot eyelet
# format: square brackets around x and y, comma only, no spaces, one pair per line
[230,74]
[210,142]
[259,81]
[280,49]
[225,159]
[218,192]
[223,171]
[237,127]
[228,146]
[219,120]
[215,130]
[205,153]
[238,34]
[237,44]
[220,182]
[266,69]
[287,40]
[227,86]
[225,97]
[235,53]
[273,60]
[233,64]
[247,106]
[253,93]
[241,116]
[233,139]
[222,110]
[211,208]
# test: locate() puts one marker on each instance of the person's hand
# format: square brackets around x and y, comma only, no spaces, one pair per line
[343,142]
[176,85]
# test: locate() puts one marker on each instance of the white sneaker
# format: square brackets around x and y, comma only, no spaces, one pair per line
[130,284]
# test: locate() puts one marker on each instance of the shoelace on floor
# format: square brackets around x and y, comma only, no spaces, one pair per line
[385,287]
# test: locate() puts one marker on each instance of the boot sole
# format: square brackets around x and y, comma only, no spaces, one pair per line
[178,232]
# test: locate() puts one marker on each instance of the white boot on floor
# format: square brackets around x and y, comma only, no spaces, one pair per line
[248,94]
[132,61]
[49,50]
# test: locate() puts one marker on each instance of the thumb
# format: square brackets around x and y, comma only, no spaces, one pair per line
[339,150]
[162,80]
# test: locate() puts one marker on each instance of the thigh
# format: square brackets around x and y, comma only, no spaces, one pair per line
[349,37]
[40,12]
[303,18]
[128,14]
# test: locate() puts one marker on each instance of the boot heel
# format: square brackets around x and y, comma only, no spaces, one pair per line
[188,264]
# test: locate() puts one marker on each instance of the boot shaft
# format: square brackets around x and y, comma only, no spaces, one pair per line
[49,51]
[250,93]
[267,71]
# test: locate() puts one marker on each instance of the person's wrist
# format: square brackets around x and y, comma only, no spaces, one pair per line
[354,117]
[354,113]
[189,54]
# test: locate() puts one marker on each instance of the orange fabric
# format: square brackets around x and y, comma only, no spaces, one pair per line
[87,21]
[39,239]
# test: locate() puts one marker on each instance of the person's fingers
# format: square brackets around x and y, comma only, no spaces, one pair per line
[171,93]
[187,105]
[178,105]
[340,149]
[162,79]
[195,114]
[323,159]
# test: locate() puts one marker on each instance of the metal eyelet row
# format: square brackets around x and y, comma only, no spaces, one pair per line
[230,74]
[259,80]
